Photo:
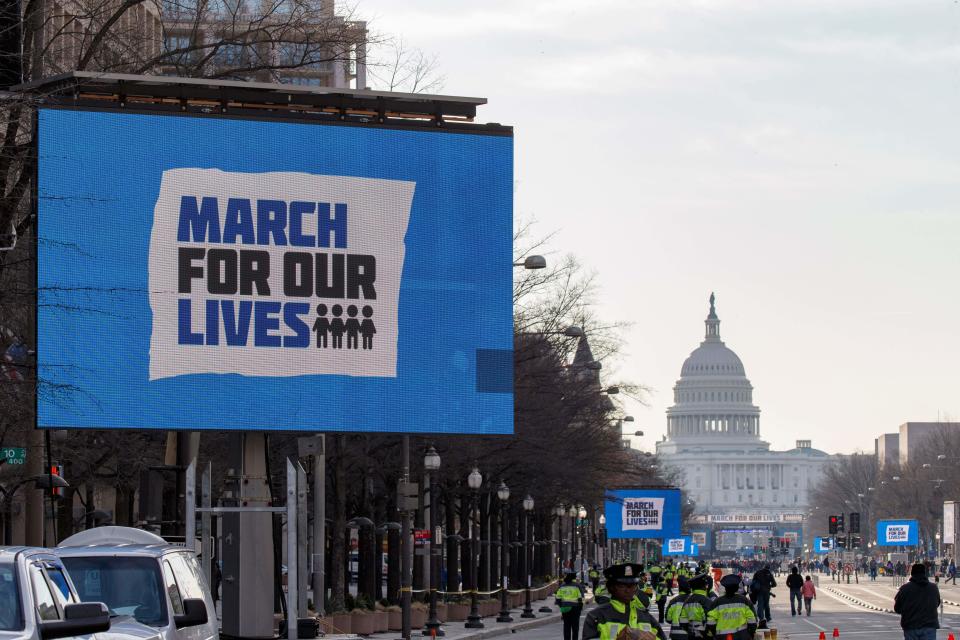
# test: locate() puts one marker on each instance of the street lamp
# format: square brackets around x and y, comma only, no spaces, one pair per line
[572,512]
[431,464]
[532,262]
[527,510]
[474,481]
[42,481]
[503,492]
[603,539]
[559,511]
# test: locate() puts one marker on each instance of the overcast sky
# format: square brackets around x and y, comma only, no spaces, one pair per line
[798,157]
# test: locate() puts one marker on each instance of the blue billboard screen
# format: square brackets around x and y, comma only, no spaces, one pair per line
[823,545]
[682,546]
[235,274]
[643,513]
[898,533]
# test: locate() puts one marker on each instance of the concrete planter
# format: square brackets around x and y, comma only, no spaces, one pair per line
[457,612]
[418,619]
[395,620]
[336,624]
[363,623]
[381,621]
[441,612]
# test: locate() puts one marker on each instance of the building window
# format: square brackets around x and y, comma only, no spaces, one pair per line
[698,483]
[739,497]
[796,498]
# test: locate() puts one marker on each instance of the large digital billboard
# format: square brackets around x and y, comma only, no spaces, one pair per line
[898,533]
[682,546]
[643,513]
[225,273]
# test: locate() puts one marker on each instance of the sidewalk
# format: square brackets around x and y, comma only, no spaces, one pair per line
[492,628]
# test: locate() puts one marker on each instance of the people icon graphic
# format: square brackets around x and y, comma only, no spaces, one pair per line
[321,326]
[336,327]
[367,328]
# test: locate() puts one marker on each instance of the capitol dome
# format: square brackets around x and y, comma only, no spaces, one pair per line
[713,396]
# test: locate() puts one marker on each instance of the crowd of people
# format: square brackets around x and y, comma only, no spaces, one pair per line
[725,600]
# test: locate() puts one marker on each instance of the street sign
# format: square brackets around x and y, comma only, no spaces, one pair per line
[849,557]
[13,455]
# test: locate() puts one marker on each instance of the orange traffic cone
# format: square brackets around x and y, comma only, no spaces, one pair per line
[836,632]
[823,636]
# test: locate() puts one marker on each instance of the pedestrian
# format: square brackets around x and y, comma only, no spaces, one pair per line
[594,576]
[623,611]
[917,602]
[731,616]
[676,614]
[570,600]
[873,569]
[952,572]
[795,584]
[696,605]
[760,588]
[809,593]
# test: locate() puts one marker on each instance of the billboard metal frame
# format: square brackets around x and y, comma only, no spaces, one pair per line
[239,100]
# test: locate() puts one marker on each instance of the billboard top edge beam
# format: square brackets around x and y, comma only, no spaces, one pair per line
[124,86]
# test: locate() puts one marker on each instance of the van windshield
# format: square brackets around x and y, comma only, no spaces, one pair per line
[10,616]
[128,586]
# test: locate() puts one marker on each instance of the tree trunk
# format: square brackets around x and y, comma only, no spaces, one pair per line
[453,557]
[338,542]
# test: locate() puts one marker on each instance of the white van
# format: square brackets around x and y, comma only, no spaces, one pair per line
[39,602]
[139,574]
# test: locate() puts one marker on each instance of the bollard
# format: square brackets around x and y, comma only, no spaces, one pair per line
[823,636]
[836,632]
[949,636]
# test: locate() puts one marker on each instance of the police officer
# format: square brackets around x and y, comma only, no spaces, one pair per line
[601,595]
[594,576]
[662,589]
[611,621]
[696,605]
[570,600]
[676,615]
[731,614]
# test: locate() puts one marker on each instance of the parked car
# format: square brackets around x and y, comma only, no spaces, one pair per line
[38,601]
[139,574]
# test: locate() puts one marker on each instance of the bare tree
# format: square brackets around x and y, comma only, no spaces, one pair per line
[407,69]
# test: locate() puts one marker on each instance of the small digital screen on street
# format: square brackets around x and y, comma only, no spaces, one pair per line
[240,274]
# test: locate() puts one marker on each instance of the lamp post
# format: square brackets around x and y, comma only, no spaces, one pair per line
[431,464]
[603,540]
[42,481]
[474,481]
[582,515]
[559,511]
[503,492]
[572,512]
[527,510]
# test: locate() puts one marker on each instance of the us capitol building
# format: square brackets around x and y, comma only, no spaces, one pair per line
[743,492]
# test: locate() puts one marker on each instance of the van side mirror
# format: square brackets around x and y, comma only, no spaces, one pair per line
[78,619]
[194,613]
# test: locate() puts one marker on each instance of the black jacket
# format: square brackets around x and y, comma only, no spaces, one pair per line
[917,603]
[794,581]
[763,581]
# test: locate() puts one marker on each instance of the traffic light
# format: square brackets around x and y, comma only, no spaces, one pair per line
[56,470]
[855,540]
[786,543]
[840,523]
[854,522]
[841,542]
[833,522]
[770,542]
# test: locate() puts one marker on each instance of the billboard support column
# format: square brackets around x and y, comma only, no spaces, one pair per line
[406,546]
